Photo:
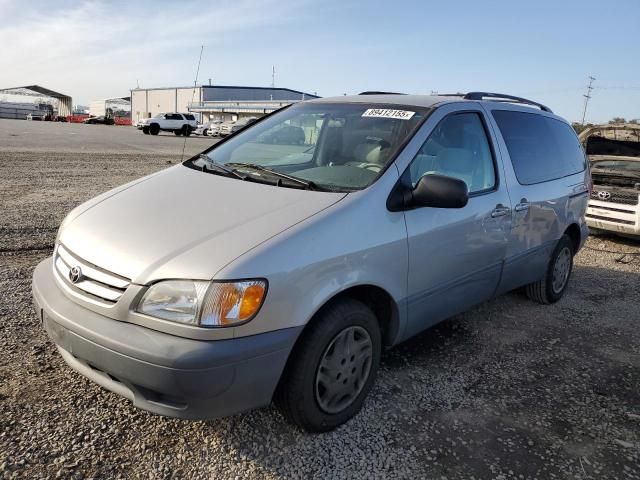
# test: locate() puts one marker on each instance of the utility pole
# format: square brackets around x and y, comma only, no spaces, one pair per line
[273,76]
[587,96]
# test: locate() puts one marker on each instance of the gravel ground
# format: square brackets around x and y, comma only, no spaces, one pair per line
[511,389]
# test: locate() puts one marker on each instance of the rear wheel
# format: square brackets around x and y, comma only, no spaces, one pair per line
[552,287]
[154,129]
[205,132]
[332,368]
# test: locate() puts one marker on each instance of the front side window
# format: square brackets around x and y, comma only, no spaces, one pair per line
[458,147]
[541,148]
[338,146]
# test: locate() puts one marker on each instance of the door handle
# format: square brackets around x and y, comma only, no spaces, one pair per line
[521,207]
[500,211]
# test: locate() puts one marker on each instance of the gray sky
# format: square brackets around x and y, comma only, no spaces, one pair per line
[543,50]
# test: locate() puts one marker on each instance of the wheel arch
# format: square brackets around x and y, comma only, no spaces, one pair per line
[573,232]
[383,305]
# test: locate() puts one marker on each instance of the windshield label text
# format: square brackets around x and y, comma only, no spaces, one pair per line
[387,113]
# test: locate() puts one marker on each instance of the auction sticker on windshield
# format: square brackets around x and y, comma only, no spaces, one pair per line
[388,113]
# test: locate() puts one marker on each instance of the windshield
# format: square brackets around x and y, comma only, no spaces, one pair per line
[333,146]
[622,165]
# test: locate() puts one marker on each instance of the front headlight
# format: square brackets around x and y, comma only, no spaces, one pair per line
[206,304]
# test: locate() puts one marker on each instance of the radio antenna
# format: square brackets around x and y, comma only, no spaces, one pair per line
[193,94]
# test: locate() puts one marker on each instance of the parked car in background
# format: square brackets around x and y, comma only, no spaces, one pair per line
[614,154]
[404,210]
[178,123]
[226,128]
[35,116]
[214,128]
[209,128]
[99,120]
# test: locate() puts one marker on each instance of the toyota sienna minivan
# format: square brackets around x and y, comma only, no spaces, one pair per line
[260,271]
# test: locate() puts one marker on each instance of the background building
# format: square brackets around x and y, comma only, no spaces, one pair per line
[120,106]
[14,102]
[212,102]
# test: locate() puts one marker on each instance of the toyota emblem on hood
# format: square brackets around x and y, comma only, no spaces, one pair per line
[604,195]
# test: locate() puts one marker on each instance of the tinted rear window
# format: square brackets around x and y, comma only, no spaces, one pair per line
[188,116]
[541,148]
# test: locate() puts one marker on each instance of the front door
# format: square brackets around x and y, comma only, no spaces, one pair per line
[456,255]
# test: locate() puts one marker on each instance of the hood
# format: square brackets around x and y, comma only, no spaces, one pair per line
[597,146]
[183,223]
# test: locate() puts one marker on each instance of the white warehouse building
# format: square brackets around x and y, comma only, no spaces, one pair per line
[212,102]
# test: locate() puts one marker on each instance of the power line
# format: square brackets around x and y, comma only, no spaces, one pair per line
[587,96]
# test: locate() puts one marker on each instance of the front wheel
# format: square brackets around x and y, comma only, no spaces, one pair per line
[186,130]
[154,129]
[552,287]
[332,367]
[177,133]
[145,130]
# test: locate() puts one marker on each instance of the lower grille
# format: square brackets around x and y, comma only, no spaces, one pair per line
[87,278]
[612,220]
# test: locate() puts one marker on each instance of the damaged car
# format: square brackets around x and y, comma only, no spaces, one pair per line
[614,155]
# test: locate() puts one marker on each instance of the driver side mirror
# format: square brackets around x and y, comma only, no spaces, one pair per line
[439,191]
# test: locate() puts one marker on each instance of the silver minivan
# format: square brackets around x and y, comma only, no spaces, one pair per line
[260,271]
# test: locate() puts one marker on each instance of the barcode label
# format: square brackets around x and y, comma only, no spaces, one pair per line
[387,113]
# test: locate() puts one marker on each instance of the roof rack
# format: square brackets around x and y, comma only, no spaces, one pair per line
[374,92]
[501,97]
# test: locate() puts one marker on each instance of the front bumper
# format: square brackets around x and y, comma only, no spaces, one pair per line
[194,379]
[614,217]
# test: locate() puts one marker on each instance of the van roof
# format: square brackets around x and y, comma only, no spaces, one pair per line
[429,101]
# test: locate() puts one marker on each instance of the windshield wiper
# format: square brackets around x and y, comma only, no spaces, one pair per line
[252,166]
[211,164]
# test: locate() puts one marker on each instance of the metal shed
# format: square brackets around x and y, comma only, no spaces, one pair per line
[63,101]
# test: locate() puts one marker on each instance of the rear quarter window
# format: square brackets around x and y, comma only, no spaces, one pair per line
[541,148]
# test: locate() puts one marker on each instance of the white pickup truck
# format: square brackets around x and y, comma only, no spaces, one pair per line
[178,123]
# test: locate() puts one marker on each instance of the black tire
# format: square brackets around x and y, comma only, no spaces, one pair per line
[145,130]
[186,130]
[205,132]
[177,133]
[300,392]
[551,289]
[154,129]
